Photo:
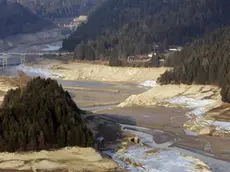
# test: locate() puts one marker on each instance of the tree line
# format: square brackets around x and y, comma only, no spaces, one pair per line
[119,28]
[204,61]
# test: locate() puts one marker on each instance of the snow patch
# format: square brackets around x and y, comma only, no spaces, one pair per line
[161,161]
[51,48]
[200,107]
[153,157]
[190,103]
[220,125]
[34,72]
[149,83]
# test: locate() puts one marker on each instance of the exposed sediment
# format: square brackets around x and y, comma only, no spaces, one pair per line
[160,95]
[86,71]
[201,99]
[66,159]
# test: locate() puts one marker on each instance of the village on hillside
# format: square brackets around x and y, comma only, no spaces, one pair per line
[160,54]
[76,22]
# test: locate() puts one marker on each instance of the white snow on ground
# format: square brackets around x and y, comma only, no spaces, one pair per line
[162,161]
[154,157]
[46,73]
[220,125]
[199,106]
[149,83]
[51,48]
[190,103]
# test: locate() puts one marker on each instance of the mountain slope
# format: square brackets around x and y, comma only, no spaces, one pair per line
[59,8]
[123,27]
[14,19]
[205,61]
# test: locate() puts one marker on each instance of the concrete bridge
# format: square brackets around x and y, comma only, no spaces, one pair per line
[6,61]
[34,53]
[14,59]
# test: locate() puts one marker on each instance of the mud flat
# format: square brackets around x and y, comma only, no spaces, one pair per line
[199,99]
[153,117]
[171,120]
[93,95]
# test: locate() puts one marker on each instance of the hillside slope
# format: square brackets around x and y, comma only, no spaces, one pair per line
[59,8]
[14,19]
[205,61]
[127,27]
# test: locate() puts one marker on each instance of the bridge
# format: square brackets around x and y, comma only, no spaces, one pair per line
[34,53]
[6,61]
[14,59]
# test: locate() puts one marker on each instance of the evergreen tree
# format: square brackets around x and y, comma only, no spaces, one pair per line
[43,117]
[204,61]
[134,26]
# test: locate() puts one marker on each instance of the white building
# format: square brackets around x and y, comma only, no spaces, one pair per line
[151,54]
[175,49]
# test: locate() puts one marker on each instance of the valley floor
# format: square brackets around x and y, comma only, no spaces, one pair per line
[118,97]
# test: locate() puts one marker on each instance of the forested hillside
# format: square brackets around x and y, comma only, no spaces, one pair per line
[59,8]
[119,28]
[41,116]
[205,61]
[14,19]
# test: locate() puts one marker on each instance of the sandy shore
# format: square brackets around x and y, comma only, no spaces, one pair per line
[157,95]
[86,71]
[67,159]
